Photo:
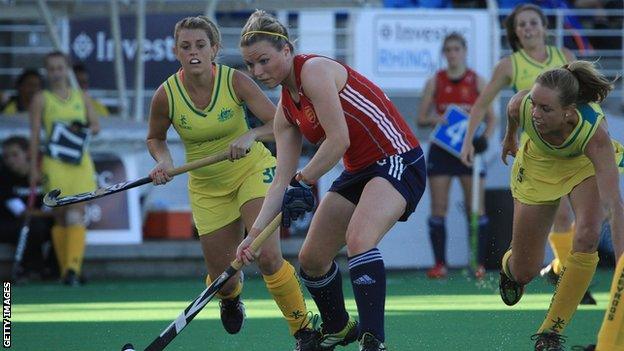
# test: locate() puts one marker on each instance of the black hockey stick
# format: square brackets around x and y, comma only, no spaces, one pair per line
[198,304]
[23,239]
[52,198]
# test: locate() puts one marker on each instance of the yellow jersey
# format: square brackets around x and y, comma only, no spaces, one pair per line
[211,130]
[525,69]
[542,173]
[56,109]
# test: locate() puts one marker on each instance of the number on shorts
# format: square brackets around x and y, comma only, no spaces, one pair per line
[269,174]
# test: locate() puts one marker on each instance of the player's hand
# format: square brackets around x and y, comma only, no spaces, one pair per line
[467,152]
[159,173]
[298,200]
[240,146]
[244,253]
[94,128]
[510,147]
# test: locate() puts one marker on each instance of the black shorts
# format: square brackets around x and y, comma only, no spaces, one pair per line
[440,162]
[406,172]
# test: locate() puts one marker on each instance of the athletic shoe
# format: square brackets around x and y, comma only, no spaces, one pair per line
[480,272]
[584,348]
[71,278]
[549,274]
[232,314]
[307,339]
[510,291]
[369,342]
[548,341]
[347,335]
[438,271]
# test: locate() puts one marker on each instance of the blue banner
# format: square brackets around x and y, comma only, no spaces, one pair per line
[92,44]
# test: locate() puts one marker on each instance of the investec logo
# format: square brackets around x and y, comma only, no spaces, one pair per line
[84,46]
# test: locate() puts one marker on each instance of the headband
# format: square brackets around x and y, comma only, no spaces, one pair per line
[265,32]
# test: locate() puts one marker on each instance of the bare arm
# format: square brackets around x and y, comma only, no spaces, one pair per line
[157,136]
[510,141]
[92,118]
[599,149]
[35,115]
[490,116]
[319,84]
[288,140]
[500,79]
[569,55]
[424,118]
[249,92]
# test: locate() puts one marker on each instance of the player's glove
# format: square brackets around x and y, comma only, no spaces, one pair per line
[480,144]
[298,200]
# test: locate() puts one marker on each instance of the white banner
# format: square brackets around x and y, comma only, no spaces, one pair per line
[401,49]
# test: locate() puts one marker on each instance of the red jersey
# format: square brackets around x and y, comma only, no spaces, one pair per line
[462,92]
[376,128]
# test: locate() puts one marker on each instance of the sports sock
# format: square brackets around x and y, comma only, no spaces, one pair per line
[237,289]
[286,291]
[59,238]
[611,335]
[437,234]
[483,245]
[561,245]
[326,291]
[368,278]
[75,245]
[505,264]
[575,277]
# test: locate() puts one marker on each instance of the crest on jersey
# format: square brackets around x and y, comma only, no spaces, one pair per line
[308,111]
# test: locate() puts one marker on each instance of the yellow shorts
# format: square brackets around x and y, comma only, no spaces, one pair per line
[213,212]
[542,180]
[71,179]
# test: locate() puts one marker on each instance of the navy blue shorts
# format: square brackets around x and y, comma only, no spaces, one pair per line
[440,162]
[406,172]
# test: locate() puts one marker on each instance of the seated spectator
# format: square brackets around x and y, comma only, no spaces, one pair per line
[26,85]
[39,258]
[82,76]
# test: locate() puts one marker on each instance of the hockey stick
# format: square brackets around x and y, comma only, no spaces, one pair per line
[161,341]
[23,238]
[52,198]
[474,213]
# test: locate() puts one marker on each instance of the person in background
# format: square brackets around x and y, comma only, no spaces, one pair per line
[455,85]
[82,76]
[38,256]
[27,85]
[68,120]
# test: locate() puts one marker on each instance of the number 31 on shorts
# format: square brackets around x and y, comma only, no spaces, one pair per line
[269,174]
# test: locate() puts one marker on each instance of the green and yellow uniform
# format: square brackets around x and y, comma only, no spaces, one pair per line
[542,173]
[68,241]
[70,178]
[525,69]
[218,191]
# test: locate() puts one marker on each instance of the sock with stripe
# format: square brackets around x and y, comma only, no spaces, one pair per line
[437,234]
[611,335]
[59,237]
[326,291]
[576,274]
[286,291]
[561,245]
[368,278]
[75,246]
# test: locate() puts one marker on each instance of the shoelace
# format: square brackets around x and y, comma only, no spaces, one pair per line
[550,340]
